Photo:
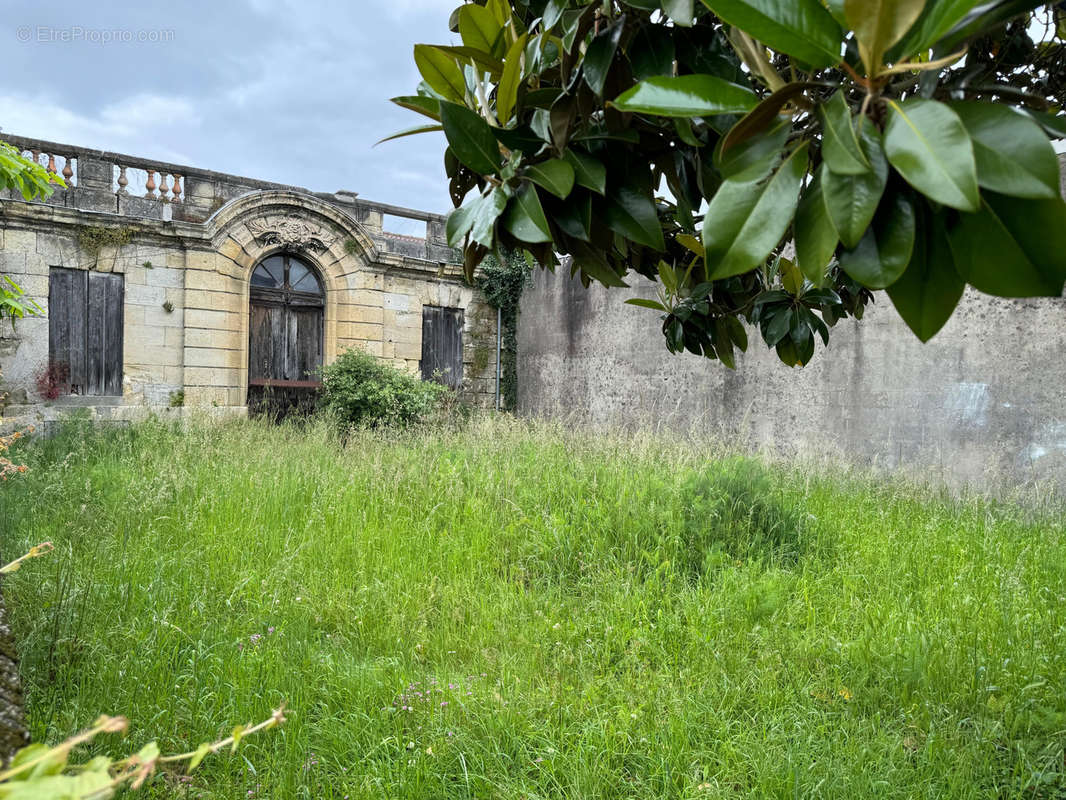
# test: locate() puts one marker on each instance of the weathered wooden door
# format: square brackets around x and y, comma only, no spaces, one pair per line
[285,346]
[85,329]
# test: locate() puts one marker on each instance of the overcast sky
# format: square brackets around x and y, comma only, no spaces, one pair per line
[294,91]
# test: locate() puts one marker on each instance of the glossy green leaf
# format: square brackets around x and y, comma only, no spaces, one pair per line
[553,12]
[556,175]
[1012,247]
[507,91]
[791,277]
[441,72]
[1054,125]
[836,9]
[885,249]
[651,52]
[927,144]
[500,9]
[937,18]
[486,62]
[630,211]
[801,28]
[591,262]
[928,291]
[851,200]
[746,220]
[525,217]
[753,158]
[680,11]
[588,172]
[879,24]
[686,96]
[478,28]
[459,222]
[691,243]
[574,217]
[427,106]
[484,216]
[816,238]
[840,142]
[600,55]
[984,17]
[765,115]
[410,132]
[640,301]
[470,138]
[1012,154]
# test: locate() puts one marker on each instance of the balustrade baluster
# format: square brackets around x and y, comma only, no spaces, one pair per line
[123,181]
[150,185]
[177,188]
[68,170]
[163,188]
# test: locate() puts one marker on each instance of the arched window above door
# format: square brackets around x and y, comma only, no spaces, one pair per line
[284,271]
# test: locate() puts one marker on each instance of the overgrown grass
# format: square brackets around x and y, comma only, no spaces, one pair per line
[522,611]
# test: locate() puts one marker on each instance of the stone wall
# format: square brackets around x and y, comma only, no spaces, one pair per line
[983,403]
[186,285]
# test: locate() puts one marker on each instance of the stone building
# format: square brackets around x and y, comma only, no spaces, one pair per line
[165,285]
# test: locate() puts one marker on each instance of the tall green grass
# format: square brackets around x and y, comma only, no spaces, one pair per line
[517,610]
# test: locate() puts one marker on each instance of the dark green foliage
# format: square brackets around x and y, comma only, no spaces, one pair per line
[732,513]
[362,391]
[676,138]
[502,283]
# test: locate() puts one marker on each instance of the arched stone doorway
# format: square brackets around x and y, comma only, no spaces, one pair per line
[286,329]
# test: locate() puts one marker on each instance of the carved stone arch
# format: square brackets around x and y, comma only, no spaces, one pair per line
[259,225]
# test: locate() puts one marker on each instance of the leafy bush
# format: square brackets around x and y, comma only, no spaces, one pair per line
[731,512]
[360,390]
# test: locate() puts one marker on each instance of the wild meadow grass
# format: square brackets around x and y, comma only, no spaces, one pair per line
[519,610]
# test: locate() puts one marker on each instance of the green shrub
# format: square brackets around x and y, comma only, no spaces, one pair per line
[360,390]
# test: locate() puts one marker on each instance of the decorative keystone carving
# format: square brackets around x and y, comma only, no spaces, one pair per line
[293,234]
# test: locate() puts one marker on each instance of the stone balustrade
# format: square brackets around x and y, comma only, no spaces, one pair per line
[129,186]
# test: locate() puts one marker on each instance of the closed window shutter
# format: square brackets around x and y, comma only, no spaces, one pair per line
[85,329]
[442,345]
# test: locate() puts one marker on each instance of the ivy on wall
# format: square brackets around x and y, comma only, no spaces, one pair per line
[502,283]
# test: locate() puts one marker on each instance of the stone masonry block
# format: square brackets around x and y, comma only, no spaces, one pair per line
[12,263]
[136,352]
[398,302]
[211,357]
[213,320]
[218,301]
[205,337]
[162,276]
[150,335]
[17,241]
[157,315]
[349,313]
[210,281]
[145,295]
[210,376]
[359,330]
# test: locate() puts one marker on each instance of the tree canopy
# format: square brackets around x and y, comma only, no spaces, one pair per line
[773,162]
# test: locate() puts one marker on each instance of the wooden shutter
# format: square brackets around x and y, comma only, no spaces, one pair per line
[85,324]
[442,345]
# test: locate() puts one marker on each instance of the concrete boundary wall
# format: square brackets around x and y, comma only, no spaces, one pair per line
[982,404]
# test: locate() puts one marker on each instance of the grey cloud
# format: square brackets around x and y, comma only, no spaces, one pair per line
[295,92]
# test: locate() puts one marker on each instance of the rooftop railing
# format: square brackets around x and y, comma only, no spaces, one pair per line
[130,186]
